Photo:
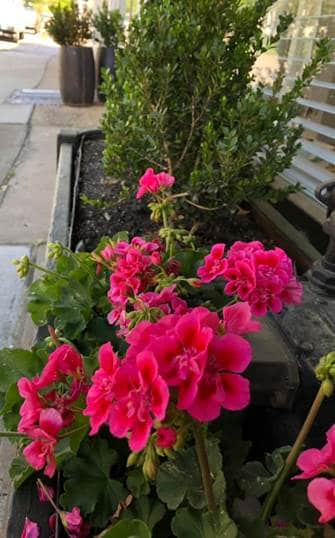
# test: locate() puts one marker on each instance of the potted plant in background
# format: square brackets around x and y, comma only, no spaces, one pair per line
[70,28]
[108,24]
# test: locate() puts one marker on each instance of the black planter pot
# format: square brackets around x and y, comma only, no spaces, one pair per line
[105,59]
[77,76]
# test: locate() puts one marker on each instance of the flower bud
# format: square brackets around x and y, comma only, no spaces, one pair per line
[22,266]
[328,387]
[133,459]
[150,468]
[55,250]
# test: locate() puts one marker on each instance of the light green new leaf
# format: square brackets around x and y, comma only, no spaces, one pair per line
[17,363]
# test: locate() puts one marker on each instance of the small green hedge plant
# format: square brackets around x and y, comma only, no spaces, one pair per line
[185,100]
[109,25]
[68,26]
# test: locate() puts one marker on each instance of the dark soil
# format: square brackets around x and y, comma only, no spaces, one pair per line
[91,223]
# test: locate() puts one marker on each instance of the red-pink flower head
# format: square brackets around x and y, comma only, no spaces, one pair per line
[30,529]
[221,385]
[237,319]
[182,355]
[64,361]
[321,494]
[150,183]
[74,524]
[215,264]
[32,406]
[101,393]
[141,395]
[40,453]
[315,461]
[45,493]
[166,437]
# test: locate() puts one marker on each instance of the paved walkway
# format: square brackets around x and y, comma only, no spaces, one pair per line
[28,135]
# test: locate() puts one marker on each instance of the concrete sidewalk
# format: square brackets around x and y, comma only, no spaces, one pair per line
[27,178]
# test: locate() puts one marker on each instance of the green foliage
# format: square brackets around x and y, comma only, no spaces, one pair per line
[19,471]
[149,510]
[180,479]
[128,529]
[188,523]
[109,25]
[70,297]
[67,26]
[88,484]
[184,101]
[14,364]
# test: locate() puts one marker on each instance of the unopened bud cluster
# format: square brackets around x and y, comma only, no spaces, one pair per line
[325,372]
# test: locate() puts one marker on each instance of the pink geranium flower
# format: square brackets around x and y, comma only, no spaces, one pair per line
[101,393]
[321,494]
[40,453]
[221,386]
[74,524]
[315,461]
[30,529]
[141,395]
[150,183]
[32,406]
[241,279]
[215,264]
[182,355]
[237,319]
[64,361]
[166,437]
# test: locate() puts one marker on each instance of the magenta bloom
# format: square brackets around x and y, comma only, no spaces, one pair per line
[30,529]
[314,461]
[182,354]
[321,494]
[64,361]
[166,437]
[241,279]
[221,386]
[40,453]
[150,183]
[215,264]
[141,395]
[263,278]
[237,319]
[32,406]
[42,492]
[74,524]
[101,393]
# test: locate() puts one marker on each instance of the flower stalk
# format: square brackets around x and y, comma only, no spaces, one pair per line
[294,452]
[200,445]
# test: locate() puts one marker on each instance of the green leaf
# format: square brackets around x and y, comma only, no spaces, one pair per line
[88,484]
[255,479]
[132,528]
[17,363]
[20,471]
[137,484]
[149,510]
[180,478]
[189,523]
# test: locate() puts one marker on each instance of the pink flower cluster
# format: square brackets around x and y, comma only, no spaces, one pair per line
[46,411]
[196,355]
[72,521]
[133,267]
[263,278]
[320,491]
[151,183]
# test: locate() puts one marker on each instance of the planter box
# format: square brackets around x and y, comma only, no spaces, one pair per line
[275,373]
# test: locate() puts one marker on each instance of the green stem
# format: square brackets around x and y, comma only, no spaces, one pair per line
[67,434]
[200,445]
[12,434]
[168,241]
[47,271]
[293,455]
[40,483]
